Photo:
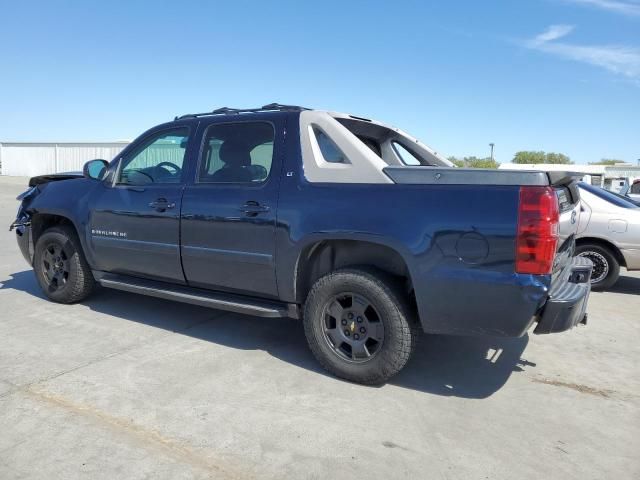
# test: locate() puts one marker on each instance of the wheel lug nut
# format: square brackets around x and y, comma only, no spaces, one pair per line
[356,336]
[347,333]
[350,316]
[359,320]
[344,322]
[362,330]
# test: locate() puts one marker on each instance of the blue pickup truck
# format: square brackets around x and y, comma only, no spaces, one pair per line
[355,227]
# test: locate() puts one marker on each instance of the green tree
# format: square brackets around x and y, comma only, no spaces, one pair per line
[540,157]
[557,158]
[607,161]
[528,157]
[474,162]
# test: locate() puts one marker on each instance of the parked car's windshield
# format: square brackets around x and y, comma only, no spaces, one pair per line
[608,196]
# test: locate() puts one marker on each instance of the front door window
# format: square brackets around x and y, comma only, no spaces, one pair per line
[157,160]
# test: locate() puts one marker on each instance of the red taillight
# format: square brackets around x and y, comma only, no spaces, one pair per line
[538,222]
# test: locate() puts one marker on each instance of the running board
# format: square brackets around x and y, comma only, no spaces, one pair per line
[195,296]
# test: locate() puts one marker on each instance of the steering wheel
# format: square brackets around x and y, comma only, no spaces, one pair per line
[135,170]
[170,165]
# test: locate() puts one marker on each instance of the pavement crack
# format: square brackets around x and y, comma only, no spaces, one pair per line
[149,438]
[600,392]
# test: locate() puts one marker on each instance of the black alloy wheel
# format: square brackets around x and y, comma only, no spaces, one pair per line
[352,327]
[55,266]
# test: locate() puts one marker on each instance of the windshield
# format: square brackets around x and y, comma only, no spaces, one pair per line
[608,196]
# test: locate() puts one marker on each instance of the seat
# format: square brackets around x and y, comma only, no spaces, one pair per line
[258,173]
[236,158]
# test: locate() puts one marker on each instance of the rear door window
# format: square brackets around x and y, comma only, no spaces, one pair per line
[237,153]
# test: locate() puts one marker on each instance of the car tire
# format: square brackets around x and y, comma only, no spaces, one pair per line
[60,266]
[360,325]
[606,268]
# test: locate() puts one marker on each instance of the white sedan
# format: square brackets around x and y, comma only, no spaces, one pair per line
[608,234]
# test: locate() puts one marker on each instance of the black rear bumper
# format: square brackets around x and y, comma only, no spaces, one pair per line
[567,303]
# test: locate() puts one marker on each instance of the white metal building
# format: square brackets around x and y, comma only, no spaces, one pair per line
[30,159]
[611,177]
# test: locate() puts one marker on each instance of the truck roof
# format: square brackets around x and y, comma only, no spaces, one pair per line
[271,107]
[279,107]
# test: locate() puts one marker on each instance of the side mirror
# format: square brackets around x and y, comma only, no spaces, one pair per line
[95,169]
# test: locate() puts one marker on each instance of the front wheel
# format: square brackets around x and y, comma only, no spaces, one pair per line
[60,266]
[606,268]
[359,325]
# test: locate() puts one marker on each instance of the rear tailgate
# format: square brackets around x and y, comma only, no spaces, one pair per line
[568,194]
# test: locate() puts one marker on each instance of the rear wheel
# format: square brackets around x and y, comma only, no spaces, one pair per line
[359,325]
[60,266]
[606,268]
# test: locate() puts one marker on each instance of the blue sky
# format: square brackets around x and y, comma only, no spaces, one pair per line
[554,75]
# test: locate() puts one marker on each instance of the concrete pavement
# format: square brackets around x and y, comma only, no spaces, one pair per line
[123,386]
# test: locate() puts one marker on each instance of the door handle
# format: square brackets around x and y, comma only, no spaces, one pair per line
[253,208]
[162,204]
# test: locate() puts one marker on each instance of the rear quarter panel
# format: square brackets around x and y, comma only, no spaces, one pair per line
[457,241]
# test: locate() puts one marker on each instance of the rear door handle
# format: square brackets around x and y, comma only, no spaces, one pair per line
[253,208]
[161,204]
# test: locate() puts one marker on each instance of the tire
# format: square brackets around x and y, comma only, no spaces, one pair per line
[376,333]
[606,268]
[60,267]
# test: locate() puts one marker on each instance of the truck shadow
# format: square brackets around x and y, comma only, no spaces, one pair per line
[468,367]
[626,284]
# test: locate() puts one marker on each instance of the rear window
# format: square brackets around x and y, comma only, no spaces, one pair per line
[607,196]
[405,155]
[330,151]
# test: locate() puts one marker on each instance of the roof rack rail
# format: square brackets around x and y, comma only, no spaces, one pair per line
[228,110]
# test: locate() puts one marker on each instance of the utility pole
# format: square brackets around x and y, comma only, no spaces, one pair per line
[492,145]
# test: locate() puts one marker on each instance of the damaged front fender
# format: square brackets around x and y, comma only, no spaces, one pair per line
[27,194]
[25,241]
[20,223]
[22,226]
[23,218]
